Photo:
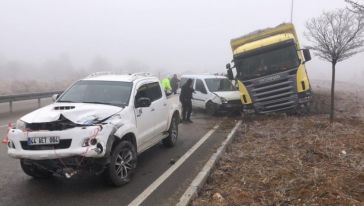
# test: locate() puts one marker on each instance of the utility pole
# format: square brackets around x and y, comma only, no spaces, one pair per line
[292,10]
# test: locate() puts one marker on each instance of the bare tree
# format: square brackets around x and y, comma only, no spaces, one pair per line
[335,36]
[356,6]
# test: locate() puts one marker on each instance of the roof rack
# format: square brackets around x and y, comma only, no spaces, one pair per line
[95,74]
[144,74]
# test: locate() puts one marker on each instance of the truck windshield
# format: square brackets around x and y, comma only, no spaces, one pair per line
[267,62]
[98,92]
[218,84]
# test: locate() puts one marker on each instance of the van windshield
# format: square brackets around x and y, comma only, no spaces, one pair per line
[219,85]
[99,92]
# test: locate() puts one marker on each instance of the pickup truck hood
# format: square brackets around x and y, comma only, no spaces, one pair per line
[229,95]
[79,113]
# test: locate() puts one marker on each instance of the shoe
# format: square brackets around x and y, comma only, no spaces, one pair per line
[189,121]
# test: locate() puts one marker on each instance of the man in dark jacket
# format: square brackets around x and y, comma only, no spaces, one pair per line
[186,100]
[174,84]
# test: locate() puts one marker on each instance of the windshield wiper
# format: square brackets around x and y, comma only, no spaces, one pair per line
[100,103]
[68,101]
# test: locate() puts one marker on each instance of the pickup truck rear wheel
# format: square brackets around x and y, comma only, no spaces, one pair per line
[171,140]
[32,170]
[122,165]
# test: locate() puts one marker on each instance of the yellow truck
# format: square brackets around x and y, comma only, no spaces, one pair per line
[270,71]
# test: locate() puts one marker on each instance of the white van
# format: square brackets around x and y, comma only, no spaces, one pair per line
[214,93]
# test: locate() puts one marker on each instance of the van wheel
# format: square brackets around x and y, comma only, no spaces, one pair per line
[32,170]
[171,140]
[211,108]
[123,161]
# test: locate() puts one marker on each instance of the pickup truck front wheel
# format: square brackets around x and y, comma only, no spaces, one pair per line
[122,165]
[171,140]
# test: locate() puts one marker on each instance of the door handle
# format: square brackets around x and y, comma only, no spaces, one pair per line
[152,110]
[140,112]
[164,104]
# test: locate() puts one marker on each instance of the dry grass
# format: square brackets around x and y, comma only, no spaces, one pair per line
[289,160]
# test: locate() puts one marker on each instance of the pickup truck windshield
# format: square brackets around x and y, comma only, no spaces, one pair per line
[267,62]
[99,92]
[218,84]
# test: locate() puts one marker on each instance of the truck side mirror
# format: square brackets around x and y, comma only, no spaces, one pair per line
[55,97]
[306,54]
[230,74]
[143,102]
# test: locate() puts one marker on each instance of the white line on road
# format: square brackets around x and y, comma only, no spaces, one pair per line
[5,125]
[151,188]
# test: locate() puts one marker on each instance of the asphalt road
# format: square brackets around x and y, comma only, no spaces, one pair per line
[16,188]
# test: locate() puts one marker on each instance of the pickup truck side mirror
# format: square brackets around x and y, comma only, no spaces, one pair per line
[230,74]
[143,102]
[55,97]
[306,54]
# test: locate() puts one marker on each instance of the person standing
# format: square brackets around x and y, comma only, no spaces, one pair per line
[174,84]
[186,100]
[166,86]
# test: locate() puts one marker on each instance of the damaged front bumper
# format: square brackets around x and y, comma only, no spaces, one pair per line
[86,141]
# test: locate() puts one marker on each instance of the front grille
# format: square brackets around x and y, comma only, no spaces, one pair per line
[277,95]
[63,144]
[61,124]
[235,102]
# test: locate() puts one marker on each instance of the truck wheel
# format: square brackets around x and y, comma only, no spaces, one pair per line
[123,161]
[211,108]
[32,170]
[171,140]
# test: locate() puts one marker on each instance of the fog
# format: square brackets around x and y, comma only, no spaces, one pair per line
[63,39]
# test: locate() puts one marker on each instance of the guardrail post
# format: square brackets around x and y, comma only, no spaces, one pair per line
[38,102]
[11,106]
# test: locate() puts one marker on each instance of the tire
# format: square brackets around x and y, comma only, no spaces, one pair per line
[123,161]
[32,170]
[171,140]
[211,108]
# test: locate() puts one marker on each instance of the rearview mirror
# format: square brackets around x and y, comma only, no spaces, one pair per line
[55,97]
[143,102]
[230,74]
[306,54]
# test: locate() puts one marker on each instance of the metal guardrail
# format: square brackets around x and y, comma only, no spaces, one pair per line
[30,96]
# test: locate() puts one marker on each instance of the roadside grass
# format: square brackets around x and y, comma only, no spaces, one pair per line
[291,160]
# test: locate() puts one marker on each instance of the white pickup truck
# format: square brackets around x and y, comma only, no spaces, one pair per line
[98,125]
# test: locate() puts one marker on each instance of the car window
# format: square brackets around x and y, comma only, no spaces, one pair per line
[200,86]
[184,80]
[152,91]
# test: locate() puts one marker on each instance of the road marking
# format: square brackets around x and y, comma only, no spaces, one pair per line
[5,125]
[202,176]
[151,188]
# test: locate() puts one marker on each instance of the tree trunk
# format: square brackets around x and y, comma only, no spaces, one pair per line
[332,110]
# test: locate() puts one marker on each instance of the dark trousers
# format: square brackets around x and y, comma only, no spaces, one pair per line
[186,110]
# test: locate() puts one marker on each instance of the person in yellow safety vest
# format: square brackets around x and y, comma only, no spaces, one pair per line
[166,84]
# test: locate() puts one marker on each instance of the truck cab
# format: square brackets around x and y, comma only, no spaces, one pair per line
[270,70]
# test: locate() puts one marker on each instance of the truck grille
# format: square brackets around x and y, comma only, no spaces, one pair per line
[279,94]
[63,144]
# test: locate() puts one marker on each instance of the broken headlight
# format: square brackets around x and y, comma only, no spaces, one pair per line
[223,100]
[21,125]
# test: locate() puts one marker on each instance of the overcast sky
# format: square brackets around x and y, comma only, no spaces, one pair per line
[187,35]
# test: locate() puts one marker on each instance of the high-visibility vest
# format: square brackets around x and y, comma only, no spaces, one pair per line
[166,84]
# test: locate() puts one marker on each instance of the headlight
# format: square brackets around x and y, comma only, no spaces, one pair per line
[223,100]
[21,125]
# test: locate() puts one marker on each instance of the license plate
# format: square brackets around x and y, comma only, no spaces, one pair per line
[43,140]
